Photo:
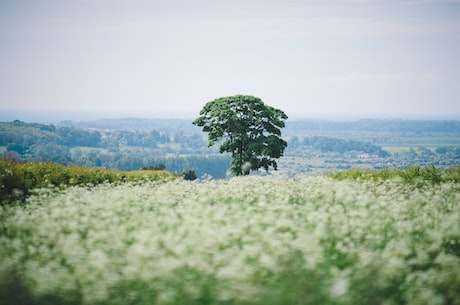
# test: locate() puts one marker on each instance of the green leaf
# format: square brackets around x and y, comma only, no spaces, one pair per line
[250,130]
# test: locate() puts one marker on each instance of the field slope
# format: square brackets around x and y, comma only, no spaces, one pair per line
[247,240]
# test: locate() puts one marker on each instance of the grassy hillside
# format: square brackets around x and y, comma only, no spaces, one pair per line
[411,175]
[19,179]
[247,240]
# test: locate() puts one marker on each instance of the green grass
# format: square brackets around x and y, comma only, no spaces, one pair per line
[411,175]
[19,179]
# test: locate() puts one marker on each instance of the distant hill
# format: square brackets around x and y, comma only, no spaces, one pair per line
[294,127]
[172,126]
[178,145]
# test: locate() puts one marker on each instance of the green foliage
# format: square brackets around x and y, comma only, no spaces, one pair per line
[124,150]
[23,135]
[411,175]
[313,146]
[19,179]
[250,131]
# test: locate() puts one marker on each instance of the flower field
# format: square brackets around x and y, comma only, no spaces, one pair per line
[246,240]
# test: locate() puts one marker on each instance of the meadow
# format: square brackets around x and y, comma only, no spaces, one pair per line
[18,180]
[359,238]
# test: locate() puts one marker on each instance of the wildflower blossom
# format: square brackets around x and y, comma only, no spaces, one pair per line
[243,240]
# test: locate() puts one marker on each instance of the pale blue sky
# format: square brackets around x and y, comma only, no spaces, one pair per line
[324,58]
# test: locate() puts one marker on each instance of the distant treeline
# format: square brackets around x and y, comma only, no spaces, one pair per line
[172,126]
[327,144]
[116,149]
[373,125]
[293,127]
[28,134]
[179,149]
[68,144]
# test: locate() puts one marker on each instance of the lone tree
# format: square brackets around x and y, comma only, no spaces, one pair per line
[250,131]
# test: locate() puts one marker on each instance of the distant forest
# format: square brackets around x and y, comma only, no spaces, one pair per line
[293,127]
[178,146]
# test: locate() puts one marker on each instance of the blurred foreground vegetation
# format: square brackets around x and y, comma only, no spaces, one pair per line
[306,240]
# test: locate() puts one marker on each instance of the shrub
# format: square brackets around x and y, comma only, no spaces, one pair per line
[189,175]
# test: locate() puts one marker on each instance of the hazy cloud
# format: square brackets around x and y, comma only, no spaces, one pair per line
[397,77]
[166,56]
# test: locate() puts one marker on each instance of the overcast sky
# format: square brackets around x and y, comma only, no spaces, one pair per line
[324,58]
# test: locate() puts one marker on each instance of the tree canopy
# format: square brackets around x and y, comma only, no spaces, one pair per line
[250,130]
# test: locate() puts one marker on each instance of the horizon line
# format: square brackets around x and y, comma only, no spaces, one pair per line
[57,116]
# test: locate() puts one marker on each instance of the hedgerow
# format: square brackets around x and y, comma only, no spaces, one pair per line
[19,179]
[415,175]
